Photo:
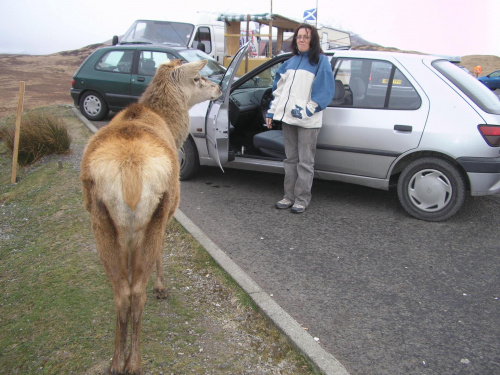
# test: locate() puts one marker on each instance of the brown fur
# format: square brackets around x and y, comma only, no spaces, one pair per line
[130,183]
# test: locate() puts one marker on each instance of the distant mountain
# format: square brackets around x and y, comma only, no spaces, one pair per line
[357,41]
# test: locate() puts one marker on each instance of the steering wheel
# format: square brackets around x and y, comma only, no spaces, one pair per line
[265,102]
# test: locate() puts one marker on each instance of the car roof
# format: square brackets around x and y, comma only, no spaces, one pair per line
[147,47]
[401,56]
[371,54]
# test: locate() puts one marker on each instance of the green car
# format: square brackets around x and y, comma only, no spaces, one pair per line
[113,77]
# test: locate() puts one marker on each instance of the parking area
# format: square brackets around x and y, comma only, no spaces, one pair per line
[383,292]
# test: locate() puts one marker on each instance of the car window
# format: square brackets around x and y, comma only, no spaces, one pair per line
[263,79]
[470,86]
[149,61]
[212,69]
[403,94]
[116,61]
[365,83]
[232,70]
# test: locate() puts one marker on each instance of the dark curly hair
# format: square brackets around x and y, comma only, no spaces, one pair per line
[315,47]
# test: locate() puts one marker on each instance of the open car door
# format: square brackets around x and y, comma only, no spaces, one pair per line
[217,125]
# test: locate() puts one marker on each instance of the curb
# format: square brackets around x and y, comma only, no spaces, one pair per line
[321,360]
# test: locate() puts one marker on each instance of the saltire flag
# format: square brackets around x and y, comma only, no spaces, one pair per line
[310,15]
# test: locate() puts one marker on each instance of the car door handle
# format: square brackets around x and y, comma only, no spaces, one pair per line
[403,128]
[141,79]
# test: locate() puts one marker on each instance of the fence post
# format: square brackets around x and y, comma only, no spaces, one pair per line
[17,132]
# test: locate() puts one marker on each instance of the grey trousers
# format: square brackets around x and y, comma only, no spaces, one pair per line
[300,149]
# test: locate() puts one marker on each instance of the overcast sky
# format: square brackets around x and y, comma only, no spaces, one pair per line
[449,27]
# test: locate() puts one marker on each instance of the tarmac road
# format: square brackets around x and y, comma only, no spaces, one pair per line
[383,292]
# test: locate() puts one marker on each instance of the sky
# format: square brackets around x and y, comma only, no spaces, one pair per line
[445,27]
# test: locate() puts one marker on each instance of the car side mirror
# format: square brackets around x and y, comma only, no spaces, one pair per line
[115,40]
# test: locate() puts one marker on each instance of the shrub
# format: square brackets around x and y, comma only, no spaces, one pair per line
[41,134]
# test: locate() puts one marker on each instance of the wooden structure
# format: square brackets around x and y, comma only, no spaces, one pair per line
[329,37]
[233,35]
[17,133]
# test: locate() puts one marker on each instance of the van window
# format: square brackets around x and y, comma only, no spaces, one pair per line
[374,84]
[161,32]
[202,40]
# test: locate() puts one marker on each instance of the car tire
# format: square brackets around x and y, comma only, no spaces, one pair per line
[188,159]
[431,189]
[93,106]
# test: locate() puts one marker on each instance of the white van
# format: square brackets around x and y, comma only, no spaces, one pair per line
[204,32]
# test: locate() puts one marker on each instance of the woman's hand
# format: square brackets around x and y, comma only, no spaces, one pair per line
[269,122]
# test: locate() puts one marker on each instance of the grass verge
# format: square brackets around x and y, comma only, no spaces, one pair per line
[41,134]
[57,306]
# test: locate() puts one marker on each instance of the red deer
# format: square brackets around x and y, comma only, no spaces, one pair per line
[130,183]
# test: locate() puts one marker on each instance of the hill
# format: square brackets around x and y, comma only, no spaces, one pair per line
[48,77]
[488,63]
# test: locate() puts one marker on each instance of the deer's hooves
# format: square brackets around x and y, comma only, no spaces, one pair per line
[161,293]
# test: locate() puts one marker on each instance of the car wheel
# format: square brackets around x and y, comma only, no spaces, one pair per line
[188,159]
[93,106]
[431,189]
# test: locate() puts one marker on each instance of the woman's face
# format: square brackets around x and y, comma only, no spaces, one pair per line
[303,40]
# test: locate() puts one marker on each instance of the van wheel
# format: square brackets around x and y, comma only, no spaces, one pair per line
[93,106]
[188,159]
[431,189]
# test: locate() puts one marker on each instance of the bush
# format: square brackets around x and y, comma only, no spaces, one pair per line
[41,134]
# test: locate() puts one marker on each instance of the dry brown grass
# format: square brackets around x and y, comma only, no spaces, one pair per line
[47,78]
[42,134]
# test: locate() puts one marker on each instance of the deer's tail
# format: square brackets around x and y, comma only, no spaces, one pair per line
[131,175]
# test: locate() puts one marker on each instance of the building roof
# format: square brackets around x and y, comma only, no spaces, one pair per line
[280,22]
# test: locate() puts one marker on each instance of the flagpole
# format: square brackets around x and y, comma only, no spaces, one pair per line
[316,13]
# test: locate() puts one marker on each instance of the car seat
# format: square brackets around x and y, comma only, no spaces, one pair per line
[358,90]
[148,67]
[270,143]
[338,97]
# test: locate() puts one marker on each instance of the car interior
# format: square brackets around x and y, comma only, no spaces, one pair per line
[147,67]
[358,84]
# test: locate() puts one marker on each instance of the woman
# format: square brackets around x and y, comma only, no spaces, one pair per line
[304,85]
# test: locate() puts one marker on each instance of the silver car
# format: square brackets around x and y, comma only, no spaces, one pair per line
[416,123]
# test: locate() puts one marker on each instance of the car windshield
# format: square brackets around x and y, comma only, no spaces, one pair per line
[212,70]
[470,86]
[158,32]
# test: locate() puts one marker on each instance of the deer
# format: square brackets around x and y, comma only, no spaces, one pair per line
[130,185]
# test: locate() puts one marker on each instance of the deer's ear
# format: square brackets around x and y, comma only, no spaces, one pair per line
[166,69]
[192,68]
